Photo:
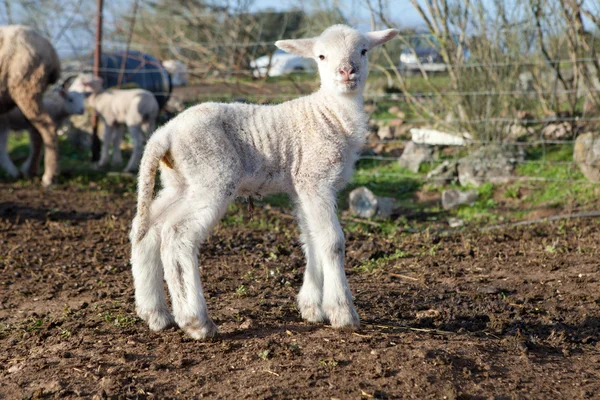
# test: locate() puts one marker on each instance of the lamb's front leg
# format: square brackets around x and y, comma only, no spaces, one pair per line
[107,141]
[310,297]
[326,233]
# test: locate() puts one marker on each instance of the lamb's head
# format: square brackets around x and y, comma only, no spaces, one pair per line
[74,102]
[341,54]
[86,83]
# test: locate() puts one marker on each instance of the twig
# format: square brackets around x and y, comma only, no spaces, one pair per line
[361,221]
[437,331]
[403,276]
[271,372]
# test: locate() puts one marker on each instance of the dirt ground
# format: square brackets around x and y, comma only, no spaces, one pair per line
[508,314]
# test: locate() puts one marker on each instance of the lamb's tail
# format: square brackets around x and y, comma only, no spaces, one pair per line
[156,148]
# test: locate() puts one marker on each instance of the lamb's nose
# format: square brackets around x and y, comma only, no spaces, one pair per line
[347,71]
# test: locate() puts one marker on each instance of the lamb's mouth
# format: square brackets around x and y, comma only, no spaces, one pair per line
[348,84]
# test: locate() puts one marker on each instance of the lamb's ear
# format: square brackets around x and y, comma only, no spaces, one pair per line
[380,37]
[300,47]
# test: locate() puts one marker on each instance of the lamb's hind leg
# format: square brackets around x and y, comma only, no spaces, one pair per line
[31,166]
[138,148]
[5,161]
[117,157]
[147,268]
[319,208]
[310,297]
[181,237]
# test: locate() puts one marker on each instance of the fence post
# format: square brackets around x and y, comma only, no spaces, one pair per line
[97,61]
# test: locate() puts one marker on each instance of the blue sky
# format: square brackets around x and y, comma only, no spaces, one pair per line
[401,11]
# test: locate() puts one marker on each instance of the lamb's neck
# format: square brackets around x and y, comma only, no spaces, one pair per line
[93,98]
[348,109]
[346,102]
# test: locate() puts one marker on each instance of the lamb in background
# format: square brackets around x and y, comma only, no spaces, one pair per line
[58,107]
[28,65]
[135,108]
[211,153]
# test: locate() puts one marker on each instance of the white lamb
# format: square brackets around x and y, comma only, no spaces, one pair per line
[211,153]
[135,108]
[58,107]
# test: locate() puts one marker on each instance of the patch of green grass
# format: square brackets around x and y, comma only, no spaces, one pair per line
[241,290]
[483,209]
[120,320]
[264,355]
[373,265]
[384,179]
[555,163]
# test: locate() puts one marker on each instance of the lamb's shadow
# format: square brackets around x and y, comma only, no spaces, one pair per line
[18,213]
[543,340]
[264,331]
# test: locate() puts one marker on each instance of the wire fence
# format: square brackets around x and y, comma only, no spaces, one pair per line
[425,98]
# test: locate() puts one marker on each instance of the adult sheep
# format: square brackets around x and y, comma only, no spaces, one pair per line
[59,106]
[211,153]
[28,64]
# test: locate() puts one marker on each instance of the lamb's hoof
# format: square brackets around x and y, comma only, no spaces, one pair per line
[157,320]
[198,330]
[343,317]
[47,181]
[312,312]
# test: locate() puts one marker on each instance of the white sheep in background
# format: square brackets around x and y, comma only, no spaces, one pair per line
[211,153]
[135,108]
[58,107]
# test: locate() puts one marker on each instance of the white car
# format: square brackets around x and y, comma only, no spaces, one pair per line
[281,63]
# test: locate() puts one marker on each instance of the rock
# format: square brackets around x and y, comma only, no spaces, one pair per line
[557,131]
[586,154]
[493,163]
[455,222]
[247,324]
[370,108]
[394,110]
[385,133]
[516,131]
[434,137]
[453,198]
[396,122]
[443,173]
[427,314]
[414,155]
[364,204]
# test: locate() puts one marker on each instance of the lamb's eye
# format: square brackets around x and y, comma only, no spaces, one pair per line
[362,53]
[321,57]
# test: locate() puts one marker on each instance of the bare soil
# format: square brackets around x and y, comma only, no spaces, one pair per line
[507,314]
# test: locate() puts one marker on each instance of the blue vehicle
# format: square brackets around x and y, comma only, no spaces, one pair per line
[140,70]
